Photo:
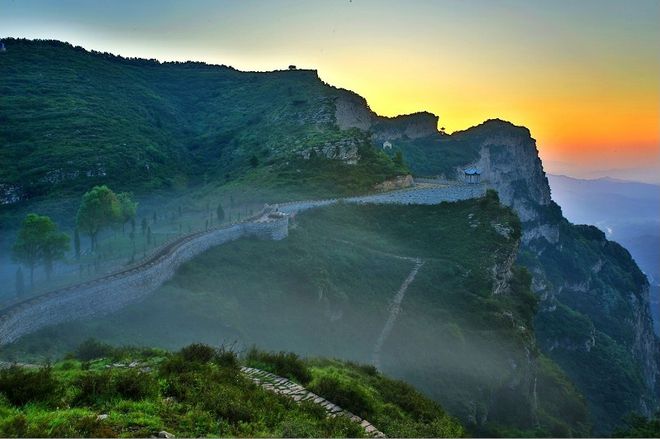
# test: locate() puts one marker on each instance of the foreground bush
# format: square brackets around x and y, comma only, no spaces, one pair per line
[96,388]
[286,364]
[22,386]
[200,392]
[344,395]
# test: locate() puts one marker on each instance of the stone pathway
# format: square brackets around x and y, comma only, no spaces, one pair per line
[395,308]
[286,387]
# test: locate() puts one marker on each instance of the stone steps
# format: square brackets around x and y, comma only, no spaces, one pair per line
[286,387]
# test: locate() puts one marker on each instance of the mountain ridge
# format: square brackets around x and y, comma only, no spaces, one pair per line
[192,123]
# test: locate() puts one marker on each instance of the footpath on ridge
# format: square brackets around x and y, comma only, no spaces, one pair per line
[298,393]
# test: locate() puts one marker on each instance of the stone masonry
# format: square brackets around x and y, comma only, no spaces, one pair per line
[112,292]
[288,388]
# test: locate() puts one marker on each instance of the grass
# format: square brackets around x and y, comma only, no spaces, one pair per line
[325,291]
[198,391]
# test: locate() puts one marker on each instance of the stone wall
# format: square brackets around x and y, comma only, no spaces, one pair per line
[112,292]
[415,195]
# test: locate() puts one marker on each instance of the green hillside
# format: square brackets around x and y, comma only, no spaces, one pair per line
[200,391]
[326,291]
[70,119]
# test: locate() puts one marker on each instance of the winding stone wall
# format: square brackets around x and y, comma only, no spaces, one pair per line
[416,195]
[112,292]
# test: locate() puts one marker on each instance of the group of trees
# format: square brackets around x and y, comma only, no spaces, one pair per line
[40,242]
[101,208]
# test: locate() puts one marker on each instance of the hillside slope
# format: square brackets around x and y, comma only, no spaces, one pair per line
[595,317]
[70,119]
[462,332]
[199,391]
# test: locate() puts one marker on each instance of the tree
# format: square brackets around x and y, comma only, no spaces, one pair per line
[254,161]
[99,209]
[53,249]
[128,208]
[39,240]
[20,283]
[220,213]
[149,235]
[76,243]
[143,225]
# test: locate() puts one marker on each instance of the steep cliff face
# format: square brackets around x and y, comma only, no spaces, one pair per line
[352,111]
[594,316]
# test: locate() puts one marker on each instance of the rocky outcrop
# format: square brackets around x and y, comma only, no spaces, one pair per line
[590,289]
[352,111]
[573,267]
[509,162]
[345,150]
[502,273]
[400,182]
[411,126]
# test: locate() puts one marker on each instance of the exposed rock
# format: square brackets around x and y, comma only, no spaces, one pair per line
[400,182]
[10,193]
[345,150]
[501,272]
[164,434]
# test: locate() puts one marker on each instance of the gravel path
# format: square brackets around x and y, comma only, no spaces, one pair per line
[395,308]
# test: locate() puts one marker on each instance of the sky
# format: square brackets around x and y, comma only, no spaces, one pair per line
[583,76]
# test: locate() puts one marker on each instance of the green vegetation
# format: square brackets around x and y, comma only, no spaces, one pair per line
[394,406]
[325,291]
[99,208]
[588,330]
[39,241]
[284,364]
[71,119]
[198,391]
[639,426]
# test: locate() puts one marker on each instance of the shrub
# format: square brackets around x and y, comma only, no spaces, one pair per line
[97,387]
[177,365]
[16,426]
[227,403]
[344,395]
[22,386]
[198,353]
[135,385]
[93,388]
[226,358]
[284,364]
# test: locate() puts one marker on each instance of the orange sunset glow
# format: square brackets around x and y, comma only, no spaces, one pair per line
[583,76]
